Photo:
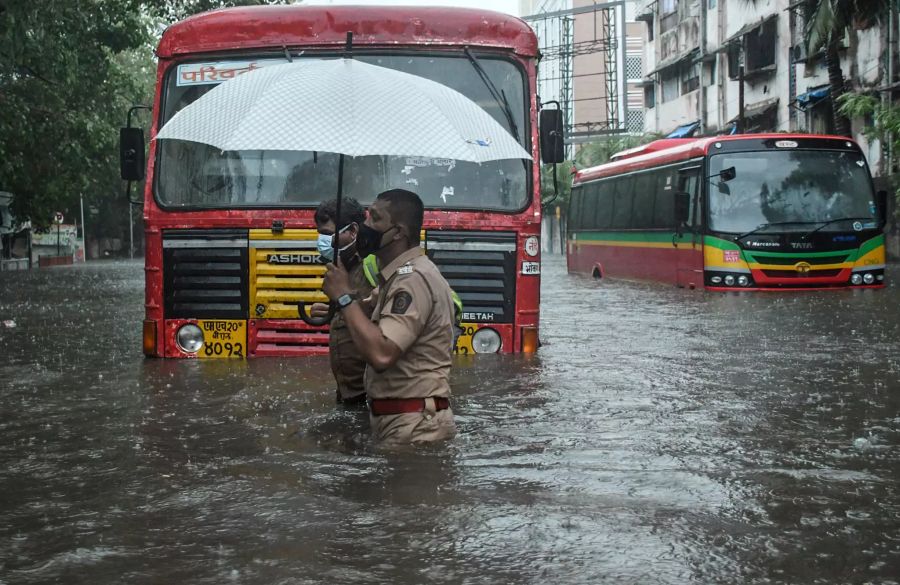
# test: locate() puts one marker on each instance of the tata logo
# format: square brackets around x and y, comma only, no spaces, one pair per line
[802,267]
[477,316]
[801,245]
[293,259]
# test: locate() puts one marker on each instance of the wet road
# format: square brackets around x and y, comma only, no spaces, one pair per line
[659,436]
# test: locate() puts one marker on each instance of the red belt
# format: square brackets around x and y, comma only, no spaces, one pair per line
[383,406]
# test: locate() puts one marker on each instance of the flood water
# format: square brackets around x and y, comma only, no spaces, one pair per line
[659,436]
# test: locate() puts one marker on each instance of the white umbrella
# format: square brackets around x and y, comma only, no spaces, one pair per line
[343,106]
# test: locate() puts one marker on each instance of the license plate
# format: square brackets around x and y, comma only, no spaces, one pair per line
[464,342]
[223,338]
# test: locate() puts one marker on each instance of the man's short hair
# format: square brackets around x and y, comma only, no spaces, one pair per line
[351,212]
[405,207]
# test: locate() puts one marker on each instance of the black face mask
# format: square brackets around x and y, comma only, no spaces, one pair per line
[368,240]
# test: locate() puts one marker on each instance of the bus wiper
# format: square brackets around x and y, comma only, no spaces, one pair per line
[831,221]
[767,225]
[498,96]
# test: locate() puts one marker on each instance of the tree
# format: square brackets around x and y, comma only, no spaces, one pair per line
[885,118]
[69,71]
[827,23]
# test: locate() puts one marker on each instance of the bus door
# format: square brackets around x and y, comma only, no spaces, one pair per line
[688,234]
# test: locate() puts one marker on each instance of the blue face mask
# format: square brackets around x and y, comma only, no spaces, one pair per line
[325,244]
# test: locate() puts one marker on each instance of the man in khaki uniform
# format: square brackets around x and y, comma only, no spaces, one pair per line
[408,341]
[347,363]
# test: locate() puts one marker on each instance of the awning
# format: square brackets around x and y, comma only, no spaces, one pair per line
[675,60]
[748,27]
[812,97]
[758,109]
[685,130]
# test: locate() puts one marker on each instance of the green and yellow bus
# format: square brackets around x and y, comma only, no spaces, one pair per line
[742,212]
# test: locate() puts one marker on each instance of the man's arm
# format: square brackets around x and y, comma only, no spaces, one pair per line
[378,351]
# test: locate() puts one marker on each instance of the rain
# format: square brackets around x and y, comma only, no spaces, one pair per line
[659,435]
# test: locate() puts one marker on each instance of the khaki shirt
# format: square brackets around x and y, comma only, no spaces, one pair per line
[347,363]
[414,309]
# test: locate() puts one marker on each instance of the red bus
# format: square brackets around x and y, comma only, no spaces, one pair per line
[230,238]
[741,212]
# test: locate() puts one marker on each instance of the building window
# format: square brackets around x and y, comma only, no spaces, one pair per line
[668,15]
[670,83]
[759,46]
[635,121]
[734,60]
[690,78]
[634,67]
[650,96]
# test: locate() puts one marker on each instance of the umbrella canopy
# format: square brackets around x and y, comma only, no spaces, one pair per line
[343,106]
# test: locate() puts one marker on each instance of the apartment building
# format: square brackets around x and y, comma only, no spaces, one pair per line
[711,64]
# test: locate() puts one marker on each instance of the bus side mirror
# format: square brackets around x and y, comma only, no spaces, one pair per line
[881,203]
[552,147]
[682,207]
[131,154]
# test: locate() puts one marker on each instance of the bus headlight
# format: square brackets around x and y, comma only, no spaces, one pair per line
[716,279]
[729,280]
[856,279]
[743,280]
[868,278]
[486,340]
[189,338]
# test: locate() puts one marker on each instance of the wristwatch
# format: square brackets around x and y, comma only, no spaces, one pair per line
[344,300]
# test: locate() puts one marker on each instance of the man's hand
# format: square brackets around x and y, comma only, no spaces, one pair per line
[318,310]
[336,282]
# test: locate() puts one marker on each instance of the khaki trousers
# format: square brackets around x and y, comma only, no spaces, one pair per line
[414,427]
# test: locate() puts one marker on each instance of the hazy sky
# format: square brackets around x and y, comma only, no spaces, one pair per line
[508,6]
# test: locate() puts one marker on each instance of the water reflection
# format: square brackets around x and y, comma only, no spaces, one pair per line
[659,436]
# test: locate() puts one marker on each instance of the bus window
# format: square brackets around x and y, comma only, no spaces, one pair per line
[589,207]
[604,204]
[664,206]
[574,221]
[642,210]
[688,182]
[624,199]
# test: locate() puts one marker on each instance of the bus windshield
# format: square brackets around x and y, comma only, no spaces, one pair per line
[793,190]
[193,175]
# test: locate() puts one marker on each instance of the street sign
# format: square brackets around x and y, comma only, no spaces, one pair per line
[58,217]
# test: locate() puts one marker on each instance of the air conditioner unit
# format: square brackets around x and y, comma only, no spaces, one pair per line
[798,53]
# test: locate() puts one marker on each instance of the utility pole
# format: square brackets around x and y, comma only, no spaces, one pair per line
[83,232]
[131,230]
[740,120]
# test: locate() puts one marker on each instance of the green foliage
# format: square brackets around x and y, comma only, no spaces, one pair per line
[885,120]
[69,72]
[885,117]
[828,20]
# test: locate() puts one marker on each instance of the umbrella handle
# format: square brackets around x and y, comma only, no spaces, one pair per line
[315,322]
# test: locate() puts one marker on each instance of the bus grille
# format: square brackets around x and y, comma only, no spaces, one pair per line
[794,274]
[284,271]
[814,261]
[286,338]
[481,268]
[205,274]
